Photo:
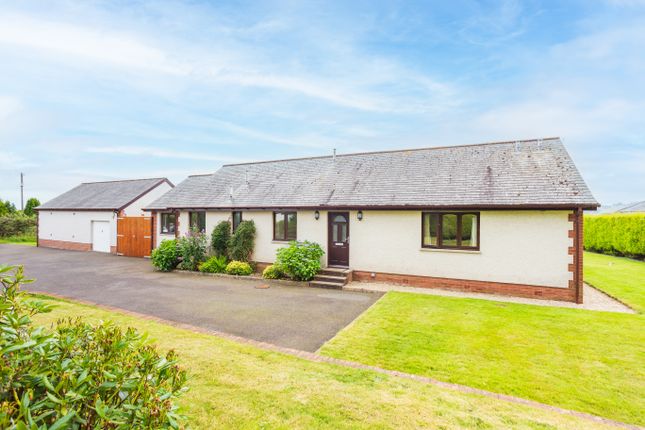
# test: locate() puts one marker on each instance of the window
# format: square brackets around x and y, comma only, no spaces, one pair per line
[237,219]
[450,230]
[285,225]
[197,221]
[168,223]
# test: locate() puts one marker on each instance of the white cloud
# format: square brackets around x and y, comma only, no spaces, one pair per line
[163,153]
[9,106]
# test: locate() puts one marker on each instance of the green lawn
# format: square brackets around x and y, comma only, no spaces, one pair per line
[239,386]
[619,277]
[25,239]
[582,360]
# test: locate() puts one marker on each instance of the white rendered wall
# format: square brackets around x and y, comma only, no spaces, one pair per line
[134,209]
[523,247]
[73,226]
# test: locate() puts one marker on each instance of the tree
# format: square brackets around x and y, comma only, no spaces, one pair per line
[7,208]
[31,204]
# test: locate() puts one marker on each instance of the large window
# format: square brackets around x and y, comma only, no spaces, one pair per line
[285,225]
[450,230]
[168,223]
[237,219]
[197,221]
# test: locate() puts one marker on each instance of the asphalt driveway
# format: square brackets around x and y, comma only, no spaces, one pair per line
[290,316]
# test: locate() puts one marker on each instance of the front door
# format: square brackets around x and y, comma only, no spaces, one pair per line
[338,245]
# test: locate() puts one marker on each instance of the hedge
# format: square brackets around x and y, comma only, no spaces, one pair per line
[17,225]
[616,234]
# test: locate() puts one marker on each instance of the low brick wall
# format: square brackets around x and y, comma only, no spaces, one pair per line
[63,244]
[520,290]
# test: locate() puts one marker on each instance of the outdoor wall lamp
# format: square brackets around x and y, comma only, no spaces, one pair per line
[317,215]
[359,215]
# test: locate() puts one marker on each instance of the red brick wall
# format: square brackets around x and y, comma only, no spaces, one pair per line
[530,291]
[575,233]
[62,244]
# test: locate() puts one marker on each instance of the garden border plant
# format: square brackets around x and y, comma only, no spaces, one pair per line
[300,260]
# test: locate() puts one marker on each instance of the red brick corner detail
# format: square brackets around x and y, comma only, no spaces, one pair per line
[576,233]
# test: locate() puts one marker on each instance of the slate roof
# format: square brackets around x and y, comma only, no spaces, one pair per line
[109,195]
[533,173]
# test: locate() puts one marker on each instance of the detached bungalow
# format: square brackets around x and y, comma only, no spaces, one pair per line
[102,216]
[501,218]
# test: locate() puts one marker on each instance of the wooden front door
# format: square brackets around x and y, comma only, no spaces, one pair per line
[134,236]
[338,238]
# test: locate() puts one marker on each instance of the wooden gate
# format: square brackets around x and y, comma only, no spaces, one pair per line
[134,236]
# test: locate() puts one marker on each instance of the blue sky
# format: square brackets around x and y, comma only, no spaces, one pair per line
[99,90]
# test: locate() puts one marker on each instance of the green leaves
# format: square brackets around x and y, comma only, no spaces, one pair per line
[300,260]
[77,375]
[219,238]
[242,242]
[166,256]
[240,268]
[615,234]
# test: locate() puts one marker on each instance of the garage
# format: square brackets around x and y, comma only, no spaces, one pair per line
[102,217]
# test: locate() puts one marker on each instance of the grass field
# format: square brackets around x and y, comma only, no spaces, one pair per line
[622,278]
[239,386]
[26,239]
[583,360]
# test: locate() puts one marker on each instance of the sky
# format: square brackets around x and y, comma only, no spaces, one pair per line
[103,90]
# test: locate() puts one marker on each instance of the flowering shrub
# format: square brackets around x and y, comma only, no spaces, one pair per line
[192,250]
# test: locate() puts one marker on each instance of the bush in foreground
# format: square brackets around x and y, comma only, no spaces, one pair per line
[166,256]
[273,271]
[241,268]
[215,264]
[615,234]
[300,260]
[77,375]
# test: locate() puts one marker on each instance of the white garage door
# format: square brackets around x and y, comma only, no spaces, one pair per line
[101,236]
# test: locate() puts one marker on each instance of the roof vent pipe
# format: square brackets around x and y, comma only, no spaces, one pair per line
[334,154]
[517,146]
[231,192]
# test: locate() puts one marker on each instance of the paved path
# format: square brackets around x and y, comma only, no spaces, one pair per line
[288,316]
[593,299]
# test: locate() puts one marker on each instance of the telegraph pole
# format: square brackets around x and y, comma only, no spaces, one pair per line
[22,187]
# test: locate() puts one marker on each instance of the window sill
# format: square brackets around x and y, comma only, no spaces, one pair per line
[282,242]
[166,234]
[454,251]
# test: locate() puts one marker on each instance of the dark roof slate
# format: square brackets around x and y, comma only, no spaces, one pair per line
[506,174]
[109,195]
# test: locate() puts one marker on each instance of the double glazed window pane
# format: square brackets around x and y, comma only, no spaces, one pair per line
[167,223]
[469,230]
[198,221]
[285,225]
[430,228]
[449,230]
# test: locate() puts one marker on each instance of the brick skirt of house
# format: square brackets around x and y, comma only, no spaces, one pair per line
[63,244]
[520,290]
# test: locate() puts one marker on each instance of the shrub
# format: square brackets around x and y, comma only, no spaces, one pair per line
[220,238]
[166,256]
[240,246]
[273,272]
[300,260]
[615,234]
[76,375]
[192,250]
[239,268]
[215,264]
[17,225]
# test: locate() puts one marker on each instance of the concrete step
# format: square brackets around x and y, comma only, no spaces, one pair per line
[322,284]
[329,278]
[335,271]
